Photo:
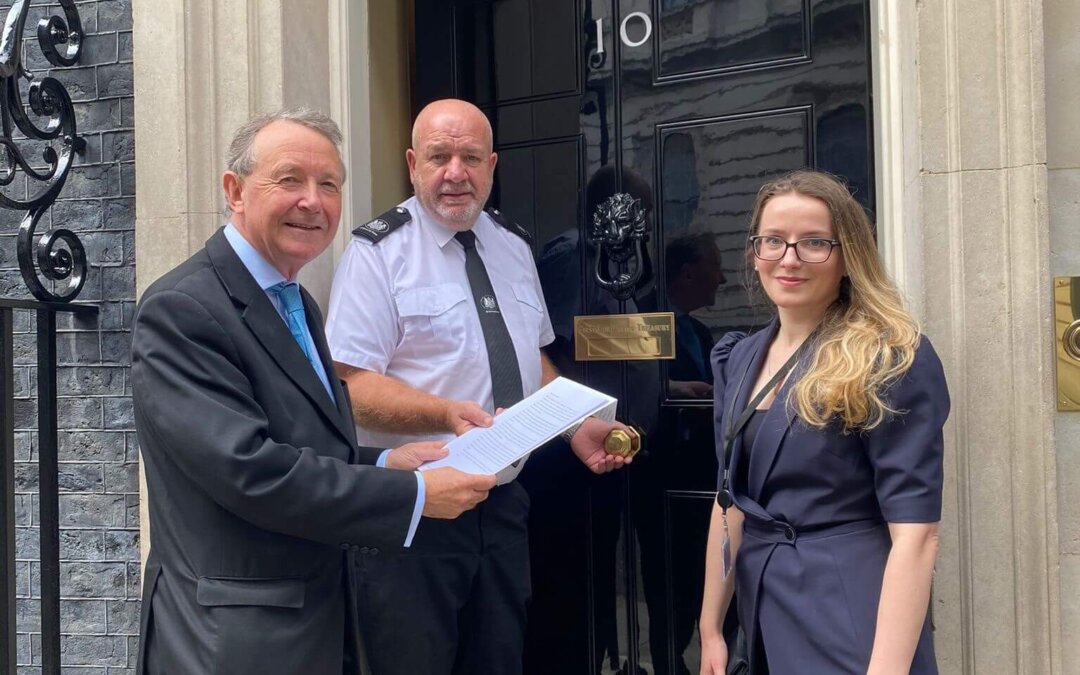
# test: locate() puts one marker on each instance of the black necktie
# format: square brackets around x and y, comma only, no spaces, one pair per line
[506,387]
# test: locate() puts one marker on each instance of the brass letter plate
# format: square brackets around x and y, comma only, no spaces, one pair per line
[1067,342]
[624,337]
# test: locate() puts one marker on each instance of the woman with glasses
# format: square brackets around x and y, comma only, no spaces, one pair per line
[829,433]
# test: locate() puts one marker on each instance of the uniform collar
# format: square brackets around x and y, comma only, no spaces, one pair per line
[442,234]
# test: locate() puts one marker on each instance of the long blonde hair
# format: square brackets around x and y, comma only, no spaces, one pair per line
[867,339]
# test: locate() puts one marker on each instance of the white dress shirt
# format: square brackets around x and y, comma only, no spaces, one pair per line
[403,307]
[266,275]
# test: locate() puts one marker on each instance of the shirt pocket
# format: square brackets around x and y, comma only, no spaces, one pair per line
[436,323]
[530,306]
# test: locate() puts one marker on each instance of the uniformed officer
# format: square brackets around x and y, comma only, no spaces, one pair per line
[437,320]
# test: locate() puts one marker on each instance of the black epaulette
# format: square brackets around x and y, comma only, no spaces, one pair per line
[376,230]
[500,218]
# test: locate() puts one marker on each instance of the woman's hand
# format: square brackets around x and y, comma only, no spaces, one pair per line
[714,655]
[905,596]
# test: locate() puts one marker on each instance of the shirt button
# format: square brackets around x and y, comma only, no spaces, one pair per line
[789,533]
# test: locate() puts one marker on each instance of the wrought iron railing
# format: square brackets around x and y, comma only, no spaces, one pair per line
[53,266]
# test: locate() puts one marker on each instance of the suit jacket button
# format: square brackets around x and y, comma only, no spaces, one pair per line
[789,533]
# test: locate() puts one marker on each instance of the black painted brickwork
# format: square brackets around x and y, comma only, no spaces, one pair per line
[99,504]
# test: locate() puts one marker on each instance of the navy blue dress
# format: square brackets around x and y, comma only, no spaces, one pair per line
[817,502]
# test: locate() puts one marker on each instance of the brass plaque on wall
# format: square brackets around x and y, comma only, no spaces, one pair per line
[624,337]
[1067,342]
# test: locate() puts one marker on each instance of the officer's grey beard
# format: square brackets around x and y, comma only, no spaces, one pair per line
[456,219]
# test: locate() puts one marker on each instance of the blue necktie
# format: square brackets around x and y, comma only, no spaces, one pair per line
[288,293]
[289,296]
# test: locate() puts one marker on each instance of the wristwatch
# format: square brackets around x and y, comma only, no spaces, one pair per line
[568,435]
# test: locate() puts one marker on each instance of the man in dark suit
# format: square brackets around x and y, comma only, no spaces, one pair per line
[693,273]
[259,498]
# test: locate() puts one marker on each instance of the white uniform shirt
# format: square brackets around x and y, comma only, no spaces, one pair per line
[403,307]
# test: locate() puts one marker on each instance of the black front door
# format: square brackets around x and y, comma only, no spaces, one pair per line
[687,106]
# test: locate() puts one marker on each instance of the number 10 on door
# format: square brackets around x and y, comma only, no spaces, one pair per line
[624,31]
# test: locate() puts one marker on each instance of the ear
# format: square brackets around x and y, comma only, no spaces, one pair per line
[234,191]
[494,160]
[410,160]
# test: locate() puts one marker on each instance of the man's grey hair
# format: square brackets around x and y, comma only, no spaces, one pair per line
[241,156]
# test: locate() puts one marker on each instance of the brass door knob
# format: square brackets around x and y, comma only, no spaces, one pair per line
[625,443]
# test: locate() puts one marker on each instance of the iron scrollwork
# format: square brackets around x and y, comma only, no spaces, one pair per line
[60,40]
[619,231]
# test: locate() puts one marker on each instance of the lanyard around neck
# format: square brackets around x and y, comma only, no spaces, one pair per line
[723,497]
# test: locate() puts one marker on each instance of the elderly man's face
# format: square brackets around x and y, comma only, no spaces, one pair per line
[452,166]
[290,204]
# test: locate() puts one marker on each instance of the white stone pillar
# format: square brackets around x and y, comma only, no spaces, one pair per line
[202,67]
[1062,40]
[980,247]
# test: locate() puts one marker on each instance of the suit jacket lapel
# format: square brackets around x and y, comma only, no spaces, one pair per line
[754,361]
[267,326]
[344,418]
[744,499]
[774,429]
[747,374]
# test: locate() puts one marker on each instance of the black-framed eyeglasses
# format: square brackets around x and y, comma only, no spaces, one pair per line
[810,250]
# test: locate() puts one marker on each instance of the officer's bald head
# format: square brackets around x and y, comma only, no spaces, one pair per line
[451,113]
[451,164]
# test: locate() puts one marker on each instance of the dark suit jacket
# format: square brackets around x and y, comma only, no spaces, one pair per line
[686,366]
[815,539]
[258,496]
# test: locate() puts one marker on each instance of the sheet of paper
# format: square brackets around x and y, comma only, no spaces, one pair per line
[524,427]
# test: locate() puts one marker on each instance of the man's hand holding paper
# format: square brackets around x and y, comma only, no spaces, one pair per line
[451,492]
[464,416]
[411,456]
[534,421]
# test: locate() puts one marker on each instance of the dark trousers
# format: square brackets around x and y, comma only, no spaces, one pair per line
[455,601]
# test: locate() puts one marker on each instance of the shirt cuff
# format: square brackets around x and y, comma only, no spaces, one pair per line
[358,359]
[381,461]
[418,510]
